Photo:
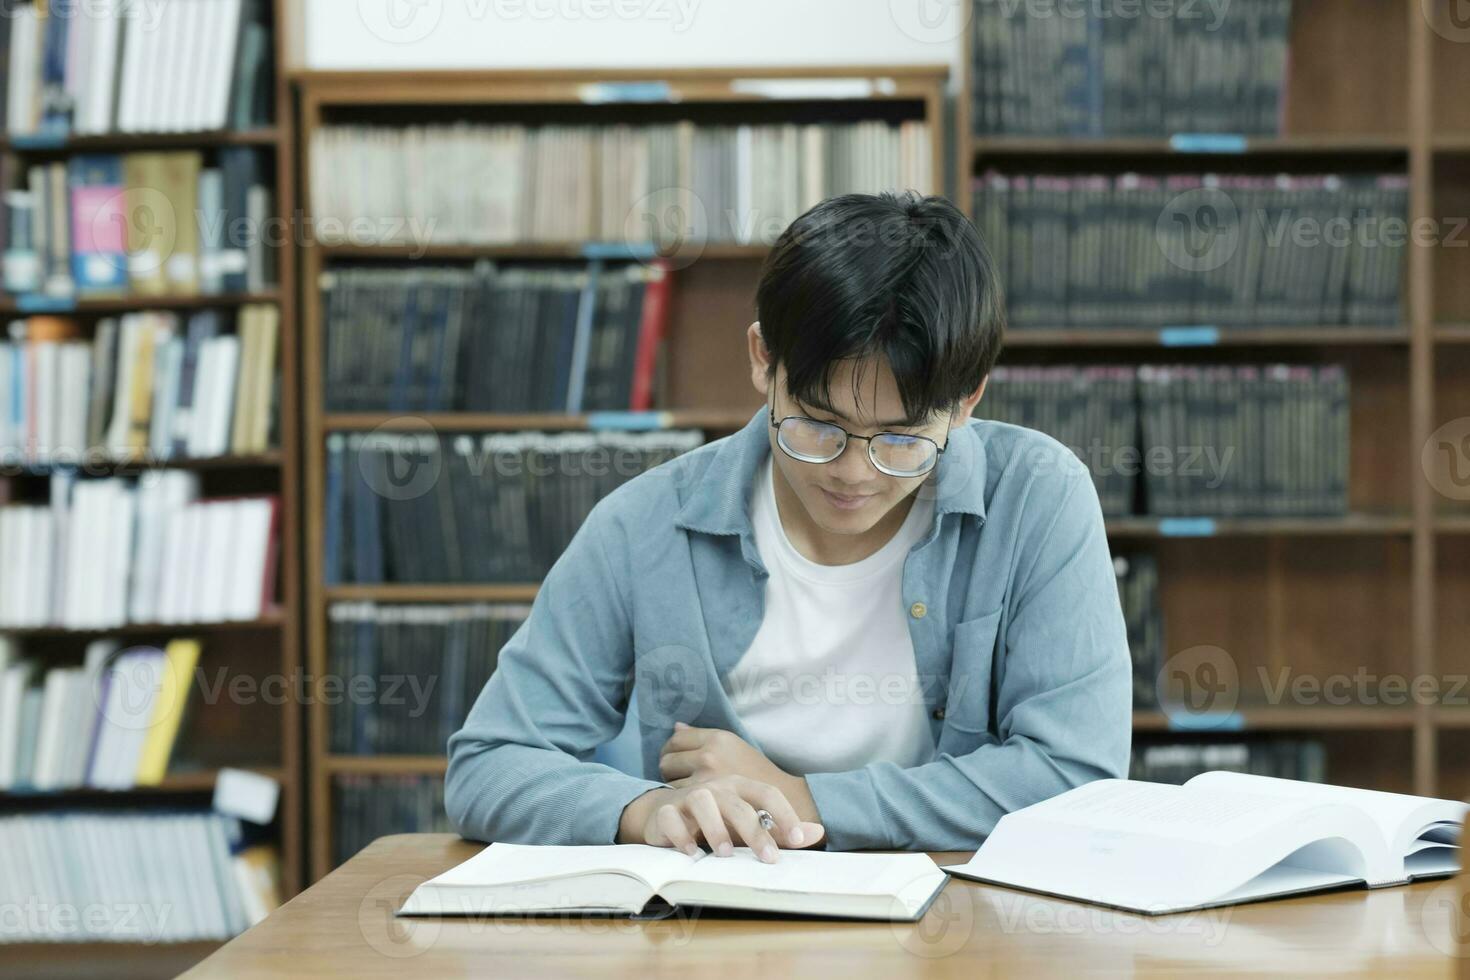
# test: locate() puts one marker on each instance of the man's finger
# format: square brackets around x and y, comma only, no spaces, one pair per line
[678,765]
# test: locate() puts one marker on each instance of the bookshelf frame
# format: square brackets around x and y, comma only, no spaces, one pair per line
[1324,130]
[722,281]
[279,628]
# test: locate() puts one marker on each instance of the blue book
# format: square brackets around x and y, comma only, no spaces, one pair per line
[332,532]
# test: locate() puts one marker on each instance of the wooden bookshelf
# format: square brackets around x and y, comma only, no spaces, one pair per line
[255,735]
[711,303]
[1370,90]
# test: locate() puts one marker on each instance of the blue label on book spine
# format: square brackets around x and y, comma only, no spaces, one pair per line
[613,251]
[1189,336]
[628,421]
[1187,527]
[1205,721]
[41,303]
[1208,143]
[53,138]
[601,92]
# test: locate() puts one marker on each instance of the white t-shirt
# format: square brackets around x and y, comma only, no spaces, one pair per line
[829,683]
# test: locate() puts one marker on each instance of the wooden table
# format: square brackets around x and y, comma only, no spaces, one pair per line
[344,926]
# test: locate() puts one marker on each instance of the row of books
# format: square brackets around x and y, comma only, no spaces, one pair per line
[115,66]
[415,507]
[149,384]
[1190,249]
[493,338]
[434,658]
[110,723]
[368,807]
[132,877]
[150,224]
[1212,441]
[1090,70]
[110,551]
[665,183]
[1177,762]
[1138,591]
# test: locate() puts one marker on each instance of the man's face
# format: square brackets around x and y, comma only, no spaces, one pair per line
[849,495]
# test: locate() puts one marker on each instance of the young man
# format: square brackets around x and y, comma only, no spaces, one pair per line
[862,621]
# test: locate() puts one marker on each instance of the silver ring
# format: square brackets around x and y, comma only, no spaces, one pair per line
[767,821]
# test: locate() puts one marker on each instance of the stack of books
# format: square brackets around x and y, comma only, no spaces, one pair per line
[148,385]
[110,723]
[1196,249]
[148,224]
[368,807]
[136,877]
[150,549]
[114,66]
[493,338]
[1178,762]
[1091,70]
[500,508]
[663,184]
[437,658]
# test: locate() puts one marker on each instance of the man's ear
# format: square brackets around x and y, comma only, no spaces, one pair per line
[760,359]
[968,403]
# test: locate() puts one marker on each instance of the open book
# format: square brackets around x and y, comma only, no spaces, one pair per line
[515,879]
[1220,839]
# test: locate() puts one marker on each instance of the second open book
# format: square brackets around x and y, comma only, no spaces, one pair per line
[1220,839]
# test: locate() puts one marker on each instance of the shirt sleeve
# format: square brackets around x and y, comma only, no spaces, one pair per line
[519,769]
[1063,709]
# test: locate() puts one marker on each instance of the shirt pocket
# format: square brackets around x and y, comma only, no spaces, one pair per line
[967,705]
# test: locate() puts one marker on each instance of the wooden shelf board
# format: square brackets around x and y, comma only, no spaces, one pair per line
[450,251]
[1454,716]
[11,304]
[272,621]
[1185,527]
[716,419]
[385,765]
[123,142]
[1226,337]
[446,592]
[1325,144]
[1293,718]
[270,459]
[1452,333]
[1452,523]
[197,781]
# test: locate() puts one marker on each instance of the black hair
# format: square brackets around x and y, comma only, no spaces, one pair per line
[903,276]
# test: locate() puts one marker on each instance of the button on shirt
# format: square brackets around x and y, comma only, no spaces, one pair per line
[829,683]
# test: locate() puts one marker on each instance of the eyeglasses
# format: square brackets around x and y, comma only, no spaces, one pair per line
[895,453]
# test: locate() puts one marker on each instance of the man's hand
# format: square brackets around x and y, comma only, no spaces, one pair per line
[698,755]
[721,811]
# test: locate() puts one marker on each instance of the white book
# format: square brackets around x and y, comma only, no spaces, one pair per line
[248,553]
[1220,839]
[220,395]
[134,680]
[103,49]
[224,45]
[121,513]
[514,879]
[192,564]
[122,389]
[25,55]
[38,565]
[136,28]
[50,741]
[219,554]
[44,354]
[188,67]
[13,683]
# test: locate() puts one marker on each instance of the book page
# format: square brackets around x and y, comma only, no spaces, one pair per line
[508,864]
[814,872]
[1399,817]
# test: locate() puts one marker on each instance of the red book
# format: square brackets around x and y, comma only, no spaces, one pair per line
[650,335]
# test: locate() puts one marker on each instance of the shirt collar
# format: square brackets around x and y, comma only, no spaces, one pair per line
[719,499]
